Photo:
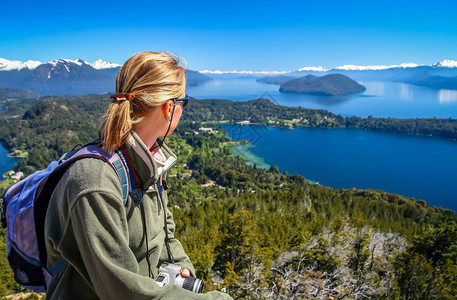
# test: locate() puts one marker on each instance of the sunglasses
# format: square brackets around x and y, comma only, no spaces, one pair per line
[184,100]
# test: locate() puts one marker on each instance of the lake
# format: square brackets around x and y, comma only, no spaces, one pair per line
[381,99]
[6,163]
[414,166]
[419,167]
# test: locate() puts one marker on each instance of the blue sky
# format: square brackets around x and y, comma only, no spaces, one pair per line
[228,35]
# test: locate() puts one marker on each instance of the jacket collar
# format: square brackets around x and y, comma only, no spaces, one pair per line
[148,168]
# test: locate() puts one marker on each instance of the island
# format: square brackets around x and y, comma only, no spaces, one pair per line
[328,85]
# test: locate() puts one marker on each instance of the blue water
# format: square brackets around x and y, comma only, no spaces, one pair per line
[421,167]
[381,99]
[6,163]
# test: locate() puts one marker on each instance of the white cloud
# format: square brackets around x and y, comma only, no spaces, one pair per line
[314,69]
[244,72]
[376,68]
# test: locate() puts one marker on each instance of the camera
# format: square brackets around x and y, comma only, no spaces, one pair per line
[173,274]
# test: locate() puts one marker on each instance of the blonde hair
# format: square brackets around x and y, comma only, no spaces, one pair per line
[153,78]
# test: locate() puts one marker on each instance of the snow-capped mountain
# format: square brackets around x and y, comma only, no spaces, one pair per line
[442,64]
[8,65]
[78,62]
[446,64]
[60,76]
[67,77]
[375,68]
[101,64]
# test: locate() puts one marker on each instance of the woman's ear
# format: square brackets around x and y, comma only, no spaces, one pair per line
[167,109]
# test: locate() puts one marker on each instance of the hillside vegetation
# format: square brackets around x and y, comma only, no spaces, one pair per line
[264,112]
[261,234]
[7,93]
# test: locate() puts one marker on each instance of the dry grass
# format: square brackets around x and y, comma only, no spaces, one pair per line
[25,296]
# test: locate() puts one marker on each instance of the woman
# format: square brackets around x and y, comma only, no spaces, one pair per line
[105,240]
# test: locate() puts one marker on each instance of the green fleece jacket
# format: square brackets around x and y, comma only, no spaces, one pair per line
[103,240]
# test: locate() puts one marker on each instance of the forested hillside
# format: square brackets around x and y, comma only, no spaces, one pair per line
[261,234]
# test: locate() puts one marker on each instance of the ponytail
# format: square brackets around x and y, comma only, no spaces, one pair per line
[116,126]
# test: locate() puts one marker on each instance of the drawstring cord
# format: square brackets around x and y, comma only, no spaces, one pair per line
[167,240]
[165,227]
[147,240]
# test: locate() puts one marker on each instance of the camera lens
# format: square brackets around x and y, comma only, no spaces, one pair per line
[193,284]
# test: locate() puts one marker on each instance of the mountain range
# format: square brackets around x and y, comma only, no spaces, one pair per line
[446,63]
[440,75]
[78,77]
[68,77]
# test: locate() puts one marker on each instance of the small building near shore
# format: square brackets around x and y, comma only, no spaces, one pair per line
[16,175]
[205,129]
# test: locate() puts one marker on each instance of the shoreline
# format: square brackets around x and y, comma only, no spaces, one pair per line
[259,161]
[251,158]
[12,159]
[402,189]
[18,154]
[290,124]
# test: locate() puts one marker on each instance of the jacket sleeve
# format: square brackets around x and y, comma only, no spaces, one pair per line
[98,225]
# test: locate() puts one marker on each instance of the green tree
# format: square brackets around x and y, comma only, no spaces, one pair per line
[239,244]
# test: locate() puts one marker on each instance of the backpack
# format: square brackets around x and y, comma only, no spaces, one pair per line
[23,212]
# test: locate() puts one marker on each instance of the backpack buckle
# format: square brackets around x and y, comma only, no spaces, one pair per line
[137,194]
[165,184]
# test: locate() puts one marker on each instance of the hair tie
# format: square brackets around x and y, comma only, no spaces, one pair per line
[122,97]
